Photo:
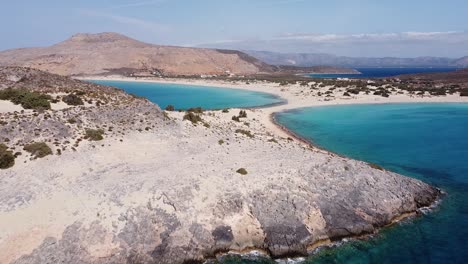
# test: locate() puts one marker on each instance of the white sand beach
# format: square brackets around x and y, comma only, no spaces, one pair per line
[296,95]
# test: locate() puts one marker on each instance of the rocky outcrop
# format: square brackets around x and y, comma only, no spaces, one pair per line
[284,219]
[102,107]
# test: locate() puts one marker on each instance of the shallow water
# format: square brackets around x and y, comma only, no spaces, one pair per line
[186,96]
[425,141]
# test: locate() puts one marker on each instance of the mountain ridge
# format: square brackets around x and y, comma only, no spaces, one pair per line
[323,59]
[103,53]
[110,53]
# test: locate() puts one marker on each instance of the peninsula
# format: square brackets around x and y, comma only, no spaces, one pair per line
[125,181]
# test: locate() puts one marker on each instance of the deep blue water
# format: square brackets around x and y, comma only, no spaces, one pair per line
[382,72]
[425,141]
[186,96]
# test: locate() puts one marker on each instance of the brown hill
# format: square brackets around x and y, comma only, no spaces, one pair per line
[462,62]
[459,76]
[104,53]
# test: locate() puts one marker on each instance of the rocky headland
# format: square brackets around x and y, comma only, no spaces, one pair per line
[126,182]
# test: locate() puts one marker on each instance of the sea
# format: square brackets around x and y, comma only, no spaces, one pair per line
[183,96]
[424,141]
[381,72]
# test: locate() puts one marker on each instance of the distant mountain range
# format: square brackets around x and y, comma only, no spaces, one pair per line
[314,59]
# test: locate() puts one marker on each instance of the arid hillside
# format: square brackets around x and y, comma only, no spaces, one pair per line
[107,53]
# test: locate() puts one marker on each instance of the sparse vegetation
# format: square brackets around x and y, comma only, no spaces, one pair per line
[242,114]
[72,99]
[38,149]
[242,171]
[7,159]
[197,110]
[220,141]
[194,118]
[94,134]
[225,110]
[245,132]
[170,108]
[27,99]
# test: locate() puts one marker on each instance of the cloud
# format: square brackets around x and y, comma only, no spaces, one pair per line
[282,2]
[138,4]
[136,22]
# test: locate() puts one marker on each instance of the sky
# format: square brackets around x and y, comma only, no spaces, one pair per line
[358,28]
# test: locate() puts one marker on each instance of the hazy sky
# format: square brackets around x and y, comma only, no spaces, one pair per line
[343,27]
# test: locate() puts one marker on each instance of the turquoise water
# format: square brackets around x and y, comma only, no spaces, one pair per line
[187,96]
[425,141]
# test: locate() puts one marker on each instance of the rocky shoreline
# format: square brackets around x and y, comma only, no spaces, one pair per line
[175,193]
[259,254]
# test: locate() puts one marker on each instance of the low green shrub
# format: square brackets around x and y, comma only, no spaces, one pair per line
[242,114]
[38,149]
[242,171]
[94,134]
[220,141]
[27,99]
[235,118]
[245,132]
[225,110]
[194,118]
[170,108]
[7,159]
[197,110]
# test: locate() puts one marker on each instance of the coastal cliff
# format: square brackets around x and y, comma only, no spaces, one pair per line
[164,187]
